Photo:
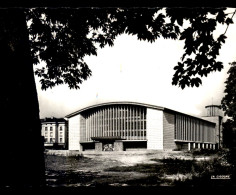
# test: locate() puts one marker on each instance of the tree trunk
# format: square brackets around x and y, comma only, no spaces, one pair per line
[22,157]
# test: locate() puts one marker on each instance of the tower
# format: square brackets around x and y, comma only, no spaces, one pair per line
[214,114]
[213,110]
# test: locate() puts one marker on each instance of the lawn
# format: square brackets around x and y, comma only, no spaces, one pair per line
[198,168]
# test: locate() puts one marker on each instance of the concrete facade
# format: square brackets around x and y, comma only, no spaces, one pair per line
[98,146]
[154,129]
[215,115]
[118,126]
[168,131]
[74,133]
[118,146]
[218,133]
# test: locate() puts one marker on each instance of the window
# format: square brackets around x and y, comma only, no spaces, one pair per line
[60,128]
[120,120]
[45,139]
[61,140]
[46,128]
[50,134]
[50,128]
[61,134]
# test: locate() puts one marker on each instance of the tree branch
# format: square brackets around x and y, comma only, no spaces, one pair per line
[228,24]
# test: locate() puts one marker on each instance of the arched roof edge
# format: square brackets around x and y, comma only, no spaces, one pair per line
[114,103]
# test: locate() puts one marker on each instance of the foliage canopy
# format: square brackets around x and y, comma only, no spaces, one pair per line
[228,102]
[62,37]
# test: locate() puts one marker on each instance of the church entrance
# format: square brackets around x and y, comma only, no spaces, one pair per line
[112,143]
[108,146]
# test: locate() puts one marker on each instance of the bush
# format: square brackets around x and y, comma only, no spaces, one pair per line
[204,152]
[175,165]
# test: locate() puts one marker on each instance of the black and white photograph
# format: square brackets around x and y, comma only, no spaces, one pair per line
[118,97]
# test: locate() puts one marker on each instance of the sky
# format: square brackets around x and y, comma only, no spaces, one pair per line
[140,71]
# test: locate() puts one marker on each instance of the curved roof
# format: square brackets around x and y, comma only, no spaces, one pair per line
[218,106]
[132,103]
[115,103]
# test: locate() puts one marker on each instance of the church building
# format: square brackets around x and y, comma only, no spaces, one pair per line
[121,126]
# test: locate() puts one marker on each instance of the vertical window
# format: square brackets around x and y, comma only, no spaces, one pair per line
[127,121]
[108,121]
[46,128]
[124,119]
[111,121]
[176,124]
[115,121]
[121,119]
[185,128]
[83,127]
[196,130]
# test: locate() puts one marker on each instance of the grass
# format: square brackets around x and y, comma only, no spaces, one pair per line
[206,152]
[80,170]
[197,173]
[164,166]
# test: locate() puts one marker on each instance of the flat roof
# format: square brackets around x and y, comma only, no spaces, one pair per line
[53,120]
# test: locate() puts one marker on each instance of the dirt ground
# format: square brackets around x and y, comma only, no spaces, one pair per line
[91,168]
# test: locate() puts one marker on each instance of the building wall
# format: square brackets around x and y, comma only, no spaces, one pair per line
[126,121]
[62,133]
[154,129]
[74,133]
[159,128]
[190,129]
[50,134]
[218,128]
[54,132]
[169,131]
